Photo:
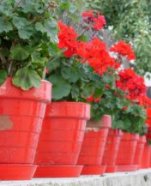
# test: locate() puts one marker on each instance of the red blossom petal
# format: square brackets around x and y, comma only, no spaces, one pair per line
[67,39]
[123,49]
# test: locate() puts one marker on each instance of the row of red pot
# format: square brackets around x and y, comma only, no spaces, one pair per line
[23,145]
[64,149]
[103,150]
[116,152]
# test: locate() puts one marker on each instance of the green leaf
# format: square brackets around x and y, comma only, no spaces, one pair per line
[25,33]
[25,29]
[51,29]
[65,6]
[75,91]
[71,74]
[61,88]
[37,60]
[19,53]
[39,27]
[6,8]
[87,90]
[83,38]
[26,78]
[118,124]
[3,76]
[53,49]
[53,65]
[5,25]
[20,22]
[98,92]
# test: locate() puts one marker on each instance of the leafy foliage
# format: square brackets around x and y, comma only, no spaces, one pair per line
[127,116]
[27,28]
[131,119]
[72,80]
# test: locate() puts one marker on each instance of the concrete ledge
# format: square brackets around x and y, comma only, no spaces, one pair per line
[137,178]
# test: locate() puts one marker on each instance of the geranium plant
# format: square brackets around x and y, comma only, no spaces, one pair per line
[26,30]
[132,116]
[122,93]
[86,68]
[80,58]
[126,115]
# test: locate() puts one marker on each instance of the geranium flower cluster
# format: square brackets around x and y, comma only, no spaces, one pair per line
[131,83]
[124,49]
[96,55]
[93,52]
[145,101]
[67,39]
[94,20]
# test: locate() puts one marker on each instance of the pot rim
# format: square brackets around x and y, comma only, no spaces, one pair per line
[10,91]
[64,109]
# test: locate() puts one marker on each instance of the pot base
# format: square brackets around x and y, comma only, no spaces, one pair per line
[55,171]
[17,171]
[127,168]
[93,169]
[110,169]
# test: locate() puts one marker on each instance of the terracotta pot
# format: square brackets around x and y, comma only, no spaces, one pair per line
[92,151]
[126,154]
[139,150]
[111,150]
[21,116]
[61,138]
[146,157]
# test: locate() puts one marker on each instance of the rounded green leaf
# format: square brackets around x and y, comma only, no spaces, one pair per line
[26,78]
[3,76]
[61,88]
[19,53]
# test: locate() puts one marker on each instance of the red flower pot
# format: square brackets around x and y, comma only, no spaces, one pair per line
[111,150]
[61,139]
[146,157]
[139,150]
[92,150]
[126,154]
[21,116]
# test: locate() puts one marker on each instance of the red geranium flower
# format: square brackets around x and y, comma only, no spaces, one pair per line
[123,49]
[88,14]
[67,39]
[131,83]
[97,21]
[96,55]
[145,101]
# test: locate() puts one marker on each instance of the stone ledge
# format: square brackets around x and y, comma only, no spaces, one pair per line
[137,178]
